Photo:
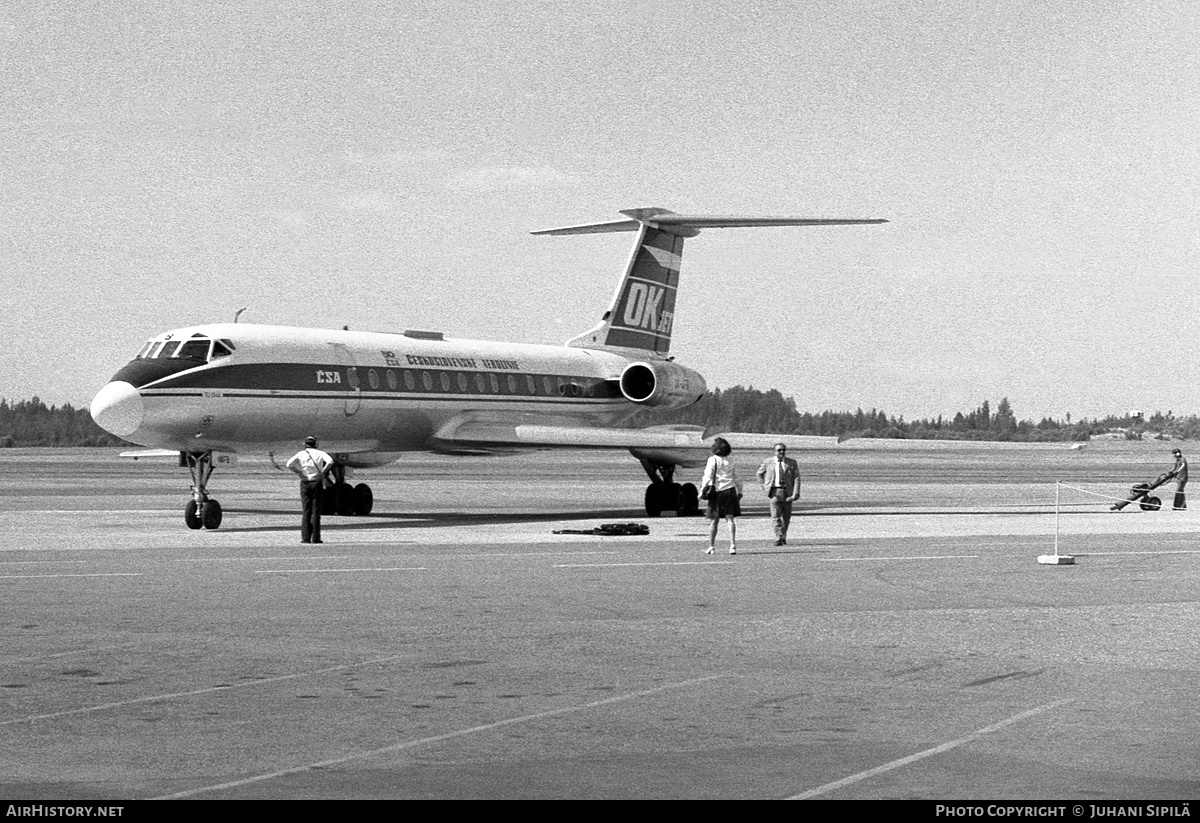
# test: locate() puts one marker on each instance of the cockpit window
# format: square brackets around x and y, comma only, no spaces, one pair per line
[194,350]
[197,347]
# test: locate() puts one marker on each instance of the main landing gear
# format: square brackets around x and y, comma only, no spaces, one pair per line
[663,494]
[201,511]
[345,499]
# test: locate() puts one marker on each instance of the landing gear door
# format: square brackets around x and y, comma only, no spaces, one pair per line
[353,393]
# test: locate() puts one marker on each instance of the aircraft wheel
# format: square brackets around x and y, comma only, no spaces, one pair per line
[1151,504]
[364,499]
[654,499]
[329,500]
[673,498]
[689,500]
[343,497]
[191,515]
[211,513]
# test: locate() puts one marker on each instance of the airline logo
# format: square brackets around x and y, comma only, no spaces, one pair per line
[645,311]
[644,308]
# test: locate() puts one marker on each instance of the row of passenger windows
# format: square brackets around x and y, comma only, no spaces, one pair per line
[479,383]
[196,347]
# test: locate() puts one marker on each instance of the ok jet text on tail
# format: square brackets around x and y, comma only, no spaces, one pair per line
[218,389]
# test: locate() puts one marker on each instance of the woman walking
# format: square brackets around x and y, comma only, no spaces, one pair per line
[724,493]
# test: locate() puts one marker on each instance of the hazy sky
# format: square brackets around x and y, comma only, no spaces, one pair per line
[380,165]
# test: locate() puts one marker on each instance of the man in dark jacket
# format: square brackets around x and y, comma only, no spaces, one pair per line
[1179,472]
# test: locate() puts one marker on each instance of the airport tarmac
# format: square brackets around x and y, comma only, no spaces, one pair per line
[905,644]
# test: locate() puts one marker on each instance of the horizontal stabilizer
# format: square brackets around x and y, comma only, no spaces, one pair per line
[641,316]
[688,224]
[593,228]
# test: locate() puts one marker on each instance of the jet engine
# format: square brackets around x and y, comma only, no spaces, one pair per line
[662,385]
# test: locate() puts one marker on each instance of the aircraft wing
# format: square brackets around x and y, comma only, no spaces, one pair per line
[221,459]
[688,446]
[150,454]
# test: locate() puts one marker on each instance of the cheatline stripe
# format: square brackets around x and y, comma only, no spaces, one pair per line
[410,744]
[652,282]
[284,376]
[616,330]
[272,394]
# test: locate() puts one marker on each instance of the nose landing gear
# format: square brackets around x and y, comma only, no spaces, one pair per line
[201,511]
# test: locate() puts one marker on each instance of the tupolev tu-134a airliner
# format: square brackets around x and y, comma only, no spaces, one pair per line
[220,389]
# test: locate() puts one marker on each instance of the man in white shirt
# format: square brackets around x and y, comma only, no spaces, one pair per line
[780,478]
[312,465]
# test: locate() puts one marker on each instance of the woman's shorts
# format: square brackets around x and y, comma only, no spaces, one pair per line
[723,504]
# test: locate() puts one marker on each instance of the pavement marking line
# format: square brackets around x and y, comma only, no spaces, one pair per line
[912,758]
[39,658]
[672,563]
[83,511]
[396,747]
[260,559]
[349,556]
[38,562]
[208,690]
[1165,551]
[926,557]
[525,554]
[71,549]
[105,574]
[328,571]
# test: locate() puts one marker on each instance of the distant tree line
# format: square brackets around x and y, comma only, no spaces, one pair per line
[33,423]
[751,410]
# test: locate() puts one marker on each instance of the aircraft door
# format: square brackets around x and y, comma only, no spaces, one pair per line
[353,395]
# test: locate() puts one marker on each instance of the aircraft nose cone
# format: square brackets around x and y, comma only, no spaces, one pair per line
[118,409]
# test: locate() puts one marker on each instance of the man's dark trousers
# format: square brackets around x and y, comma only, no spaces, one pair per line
[310,500]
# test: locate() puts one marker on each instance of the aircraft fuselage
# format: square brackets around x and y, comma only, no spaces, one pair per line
[255,388]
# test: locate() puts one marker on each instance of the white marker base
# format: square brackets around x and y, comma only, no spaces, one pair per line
[1056,560]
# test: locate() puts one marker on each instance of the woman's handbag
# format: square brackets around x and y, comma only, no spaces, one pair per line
[709,488]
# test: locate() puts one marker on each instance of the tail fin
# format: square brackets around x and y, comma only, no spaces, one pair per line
[643,309]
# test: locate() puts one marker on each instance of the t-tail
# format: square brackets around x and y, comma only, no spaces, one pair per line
[642,314]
